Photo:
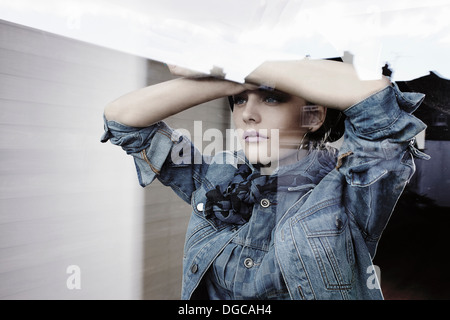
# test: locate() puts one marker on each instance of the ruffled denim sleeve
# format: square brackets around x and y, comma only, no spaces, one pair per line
[376,157]
[149,146]
[152,149]
[380,128]
[387,113]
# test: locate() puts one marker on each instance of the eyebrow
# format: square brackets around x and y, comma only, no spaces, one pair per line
[263,89]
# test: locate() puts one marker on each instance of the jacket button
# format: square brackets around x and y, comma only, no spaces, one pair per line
[265,203]
[338,223]
[200,206]
[248,263]
[194,268]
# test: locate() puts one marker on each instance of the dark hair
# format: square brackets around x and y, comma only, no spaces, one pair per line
[331,130]
[231,102]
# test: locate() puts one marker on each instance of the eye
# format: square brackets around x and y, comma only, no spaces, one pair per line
[239,100]
[271,100]
[274,99]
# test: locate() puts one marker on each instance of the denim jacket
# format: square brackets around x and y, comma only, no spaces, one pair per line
[326,233]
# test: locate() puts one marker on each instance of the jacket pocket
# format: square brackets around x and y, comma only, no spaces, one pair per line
[365,174]
[330,249]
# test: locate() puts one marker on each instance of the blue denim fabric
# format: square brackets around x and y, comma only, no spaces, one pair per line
[247,268]
[315,240]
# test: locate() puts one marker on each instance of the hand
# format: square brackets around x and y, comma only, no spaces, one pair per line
[185,72]
[189,73]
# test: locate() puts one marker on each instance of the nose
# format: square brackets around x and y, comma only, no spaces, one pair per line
[251,112]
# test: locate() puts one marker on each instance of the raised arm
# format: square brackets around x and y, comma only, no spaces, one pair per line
[149,105]
[324,82]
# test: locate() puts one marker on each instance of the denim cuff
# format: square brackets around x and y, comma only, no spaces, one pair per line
[149,146]
[387,113]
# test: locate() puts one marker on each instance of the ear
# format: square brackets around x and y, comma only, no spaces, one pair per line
[313,117]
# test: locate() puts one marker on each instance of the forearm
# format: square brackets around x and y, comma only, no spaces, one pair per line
[149,105]
[328,83]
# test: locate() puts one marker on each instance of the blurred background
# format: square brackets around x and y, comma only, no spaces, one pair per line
[411,253]
[65,198]
[68,200]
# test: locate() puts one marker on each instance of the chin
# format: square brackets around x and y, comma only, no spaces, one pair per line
[258,154]
[255,158]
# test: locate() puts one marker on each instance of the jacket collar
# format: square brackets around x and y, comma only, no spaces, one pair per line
[317,163]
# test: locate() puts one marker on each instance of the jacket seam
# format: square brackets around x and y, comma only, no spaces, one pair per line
[208,266]
[382,128]
[303,264]
[144,156]
[314,209]
[167,134]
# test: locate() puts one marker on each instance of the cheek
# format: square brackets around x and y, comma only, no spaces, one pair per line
[291,130]
[290,121]
[235,116]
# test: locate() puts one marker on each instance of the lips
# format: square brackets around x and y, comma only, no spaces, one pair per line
[253,136]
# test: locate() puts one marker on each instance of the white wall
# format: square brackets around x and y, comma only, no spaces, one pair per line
[67,199]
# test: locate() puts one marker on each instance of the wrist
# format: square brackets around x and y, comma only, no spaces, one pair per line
[264,75]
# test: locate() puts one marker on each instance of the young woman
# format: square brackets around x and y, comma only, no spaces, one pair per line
[291,220]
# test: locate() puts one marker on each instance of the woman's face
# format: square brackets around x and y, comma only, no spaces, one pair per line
[271,125]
